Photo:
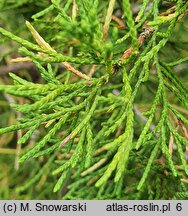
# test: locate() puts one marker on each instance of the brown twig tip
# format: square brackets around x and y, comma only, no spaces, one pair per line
[66,140]
[108,18]
[184,129]
[169,11]
[21,59]
[143,36]
[137,19]
[127,53]
[94,167]
[92,71]
[74,10]
[120,23]
[93,180]
[171,144]
[44,45]
[73,70]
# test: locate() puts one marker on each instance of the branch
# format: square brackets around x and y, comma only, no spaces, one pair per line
[45,46]
[143,36]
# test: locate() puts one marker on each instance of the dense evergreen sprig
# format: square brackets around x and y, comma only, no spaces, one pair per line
[111,111]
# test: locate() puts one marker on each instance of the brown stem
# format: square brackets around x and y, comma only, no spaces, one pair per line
[73,70]
[119,22]
[143,36]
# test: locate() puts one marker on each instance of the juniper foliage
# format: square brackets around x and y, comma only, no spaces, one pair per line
[108,119]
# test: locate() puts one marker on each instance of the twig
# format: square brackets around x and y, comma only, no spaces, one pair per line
[74,10]
[119,22]
[162,163]
[140,116]
[94,167]
[66,140]
[184,180]
[185,134]
[143,118]
[92,71]
[44,45]
[169,11]
[149,30]
[73,70]
[143,36]
[18,146]
[93,180]
[184,129]
[108,18]
[64,64]
[171,144]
